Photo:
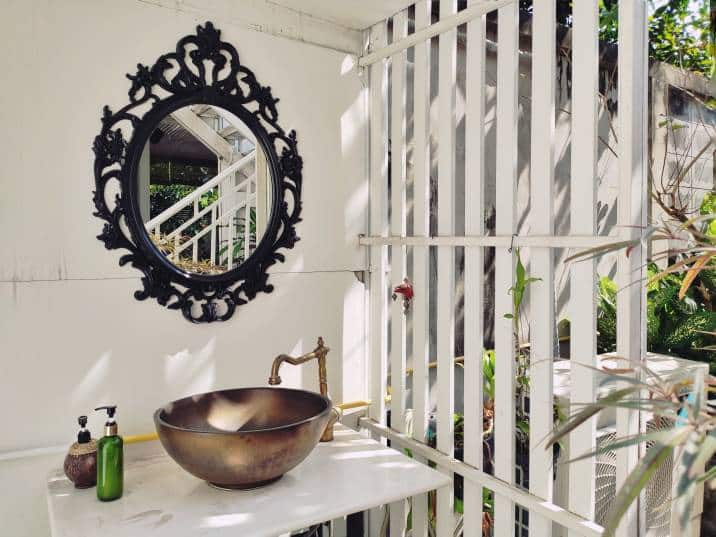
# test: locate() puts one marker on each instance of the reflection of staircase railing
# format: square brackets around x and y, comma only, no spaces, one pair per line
[153,226]
[216,221]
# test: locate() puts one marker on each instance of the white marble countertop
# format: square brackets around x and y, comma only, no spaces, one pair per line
[350,474]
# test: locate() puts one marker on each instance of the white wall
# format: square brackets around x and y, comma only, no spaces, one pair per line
[72,334]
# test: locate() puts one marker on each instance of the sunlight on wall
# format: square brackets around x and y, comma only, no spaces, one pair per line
[353,130]
[191,372]
[352,124]
[89,387]
[295,265]
[354,350]
[348,64]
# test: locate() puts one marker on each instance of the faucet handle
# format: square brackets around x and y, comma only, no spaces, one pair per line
[321,346]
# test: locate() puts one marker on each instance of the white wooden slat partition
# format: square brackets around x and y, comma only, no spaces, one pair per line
[443,25]
[632,212]
[447,72]
[378,298]
[474,266]
[583,203]
[398,262]
[505,198]
[542,242]
[421,227]
[378,224]
[542,325]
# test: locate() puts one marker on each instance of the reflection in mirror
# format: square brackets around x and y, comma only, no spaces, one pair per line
[204,189]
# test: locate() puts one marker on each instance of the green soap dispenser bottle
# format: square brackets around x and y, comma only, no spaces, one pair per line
[110,459]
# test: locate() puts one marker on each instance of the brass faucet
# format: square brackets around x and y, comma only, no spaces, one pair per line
[319,353]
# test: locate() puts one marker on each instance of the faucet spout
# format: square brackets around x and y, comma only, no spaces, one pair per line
[319,354]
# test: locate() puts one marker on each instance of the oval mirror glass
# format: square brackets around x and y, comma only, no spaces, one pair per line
[204,189]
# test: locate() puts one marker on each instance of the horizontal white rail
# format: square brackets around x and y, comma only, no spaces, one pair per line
[227,214]
[186,201]
[206,210]
[535,504]
[552,241]
[443,25]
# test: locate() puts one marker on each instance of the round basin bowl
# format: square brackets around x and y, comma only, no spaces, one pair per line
[242,438]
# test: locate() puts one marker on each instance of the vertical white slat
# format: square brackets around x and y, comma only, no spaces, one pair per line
[213,215]
[339,527]
[583,203]
[421,222]
[398,265]
[506,183]
[230,241]
[397,224]
[247,225]
[378,226]
[542,323]
[195,247]
[378,333]
[474,265]
[631,301]
[447,62]
[421,227]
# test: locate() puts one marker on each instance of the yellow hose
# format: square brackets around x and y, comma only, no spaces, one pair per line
[136,438]
[133,439]
[353,404]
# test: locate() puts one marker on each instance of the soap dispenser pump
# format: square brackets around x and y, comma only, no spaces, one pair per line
[81,460]
[110,459]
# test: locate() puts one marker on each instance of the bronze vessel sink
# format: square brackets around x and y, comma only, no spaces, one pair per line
[242,438]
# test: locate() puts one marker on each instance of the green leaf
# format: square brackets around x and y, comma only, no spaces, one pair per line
[523,426]
[591,253]
[707,476]
[705,452]
[589,411]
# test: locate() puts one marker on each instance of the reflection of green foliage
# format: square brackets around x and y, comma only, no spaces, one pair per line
[166,172]
[238,249]
[161,197]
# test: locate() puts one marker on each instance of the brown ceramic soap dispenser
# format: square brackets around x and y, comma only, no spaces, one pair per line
[81,459]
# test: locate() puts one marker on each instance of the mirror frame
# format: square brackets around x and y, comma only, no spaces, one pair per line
[202,70]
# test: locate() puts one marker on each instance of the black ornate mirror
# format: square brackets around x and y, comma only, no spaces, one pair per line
[197,180]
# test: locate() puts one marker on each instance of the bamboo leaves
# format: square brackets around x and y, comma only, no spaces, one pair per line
[689,439]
